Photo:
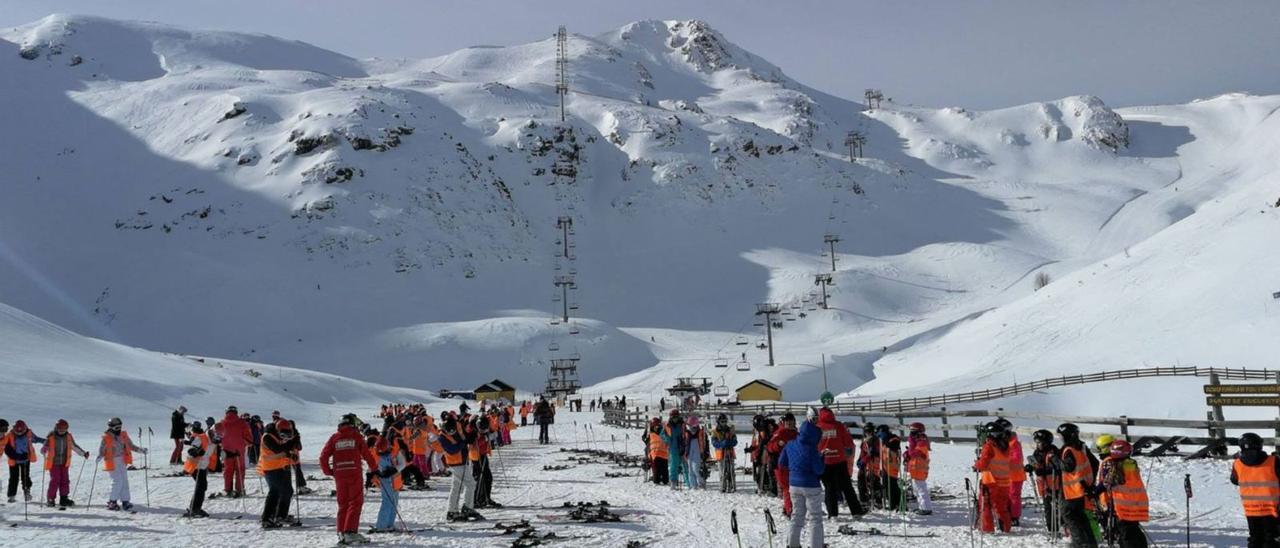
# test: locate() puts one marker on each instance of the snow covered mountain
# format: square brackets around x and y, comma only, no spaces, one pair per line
[246,196]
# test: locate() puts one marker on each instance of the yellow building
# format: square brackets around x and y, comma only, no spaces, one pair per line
[759,390]
[496,390]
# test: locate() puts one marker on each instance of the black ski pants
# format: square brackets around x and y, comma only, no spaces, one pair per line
[411,475]
[837,483]
[298,478]
[19,472]
[1077,523]
[661,471]
[1263,531]
[893,492]
[544,436]
[279,495]
[1128,534]
[202,484]
[484,481]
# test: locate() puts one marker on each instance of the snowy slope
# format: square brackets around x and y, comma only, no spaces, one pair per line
[247,196]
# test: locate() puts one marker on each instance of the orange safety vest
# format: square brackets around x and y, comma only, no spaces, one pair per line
[1259,487]
[1016,473]
[397,482]
[996,469]
[270,460]
[109,451]
[1130,499]
[419,440]
[189,464]
[451,459]
[657,447]
[892,462]
[1074,483]
[31,445]
[918,464]
[49,448]
[1047,483]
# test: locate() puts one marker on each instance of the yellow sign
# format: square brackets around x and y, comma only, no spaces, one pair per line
[1259,401]
[1242,389]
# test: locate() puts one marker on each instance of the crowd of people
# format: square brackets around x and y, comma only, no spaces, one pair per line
[1086,496]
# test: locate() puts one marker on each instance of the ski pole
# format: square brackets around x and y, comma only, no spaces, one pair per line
[733,525]
[146,468]
[92,482]
[968,492]
[79,476]
[768,521]
[1186,486]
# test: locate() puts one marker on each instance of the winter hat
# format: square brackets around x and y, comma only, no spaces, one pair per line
[63,424]
[20,426]
[182,409]
[693,422]
[283,426]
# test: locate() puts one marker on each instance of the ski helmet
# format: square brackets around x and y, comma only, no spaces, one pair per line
[196,427]
[722,419]
[869,427]
[1121,449]
[789,418]
[1069,431]
[883,428]
[1004,424]
[350,419]
[62,424]
[917,427]
[1250,441]
[115,424]
[1043,436]
[182,409]
[232,409]
[4,425]
[693,422]
[1103,443]
[993,430]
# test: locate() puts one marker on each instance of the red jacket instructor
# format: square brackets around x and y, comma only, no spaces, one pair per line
[341,459]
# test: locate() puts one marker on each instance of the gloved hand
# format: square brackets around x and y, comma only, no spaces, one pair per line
[387,472]
[1028,469]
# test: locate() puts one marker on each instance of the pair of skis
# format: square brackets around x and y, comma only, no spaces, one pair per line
[768,520]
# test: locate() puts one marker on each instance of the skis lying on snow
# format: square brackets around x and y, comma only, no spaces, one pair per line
[847,530]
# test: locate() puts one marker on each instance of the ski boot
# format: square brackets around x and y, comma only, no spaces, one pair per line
[50,503]
[271,524]
[303,491]
[12,500]
[126,506]
[1014,522]
[924,512]
[66,502]
[111,505]
[354,538]
[455,516]
[471,514]
[26,495]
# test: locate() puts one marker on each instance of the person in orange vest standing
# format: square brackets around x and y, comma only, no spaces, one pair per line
[524,413]
[279,447]
[1120,478]
[59,445]
[20,446]
[917,459]
[658,453]
[1017,476]
[1048,488]
[197,463]
[389,482]
[994,465]
[1257,474]
[116,455]
[341,458]
[459,441]
[1077,465]
[724,439]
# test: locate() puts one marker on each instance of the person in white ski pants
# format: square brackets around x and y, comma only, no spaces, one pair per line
[804,466]
[806,502]
[464,484]
[119,473]
[922,495]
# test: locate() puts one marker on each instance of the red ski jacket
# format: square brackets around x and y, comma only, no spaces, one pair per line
[344,451]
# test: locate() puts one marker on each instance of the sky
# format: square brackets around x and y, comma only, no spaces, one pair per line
[976,54]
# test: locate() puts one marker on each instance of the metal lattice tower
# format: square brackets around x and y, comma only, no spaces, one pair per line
[854,140]
[831,240]
[564,223]
[565,283]
[562,67]
[823,280]
[769,310]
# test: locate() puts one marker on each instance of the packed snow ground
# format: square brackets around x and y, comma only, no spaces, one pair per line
[655,516]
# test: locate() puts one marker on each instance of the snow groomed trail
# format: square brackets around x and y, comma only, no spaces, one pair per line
[651,515]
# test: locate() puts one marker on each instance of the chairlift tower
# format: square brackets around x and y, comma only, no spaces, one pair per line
[873,97]
[831,240]
[854,140]
[562,379]
[824,279]
[565,283]
[769,310]
[564,223]
[562,67]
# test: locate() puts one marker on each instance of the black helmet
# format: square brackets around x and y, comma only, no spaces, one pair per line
[882,428]
[350,419]
[869,427]
[722,419]
[993,430]
[4,424]
[1250,441]
[1043,436]
[197,427]
[1069,431]
[1005,424]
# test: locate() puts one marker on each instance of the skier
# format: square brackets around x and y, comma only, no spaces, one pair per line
[419,445]
[890,466]
[255,439]
[235,434]
[836,447]
[697,450]
[457,457]
[299,479]
[724,439]
[20,447]
[279,448]
[1120,477]
[525,408]
[658,453]
[198,462]
[1077,465]
[868,464]
[341,458]
[917,461]
[994,465]
[543,414]
[1017,476]
[389,483]
[58,448]
[1042,465]
[177,433]
[116,455]
[784,434]
[673,438]
[480,465]
[804,467]
[1258,476]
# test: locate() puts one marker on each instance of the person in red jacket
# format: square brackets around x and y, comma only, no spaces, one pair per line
[993,463]
[236,437]
[341,458]
[781,436]
[837,447]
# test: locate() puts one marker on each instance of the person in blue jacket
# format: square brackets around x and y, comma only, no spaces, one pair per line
[804,466]
[673,436]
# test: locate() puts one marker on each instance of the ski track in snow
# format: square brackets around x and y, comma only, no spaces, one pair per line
[654,515]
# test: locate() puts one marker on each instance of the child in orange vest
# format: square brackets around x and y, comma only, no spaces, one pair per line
[389,484]
[116,455]
[59,445]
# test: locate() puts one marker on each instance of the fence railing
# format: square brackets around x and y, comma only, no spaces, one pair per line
[907,404]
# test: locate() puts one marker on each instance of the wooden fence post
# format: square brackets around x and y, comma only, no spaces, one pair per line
[1124,427]
[946,432]
[1217,409]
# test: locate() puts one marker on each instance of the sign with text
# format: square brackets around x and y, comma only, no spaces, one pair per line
[1242,389]
[1242,401]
